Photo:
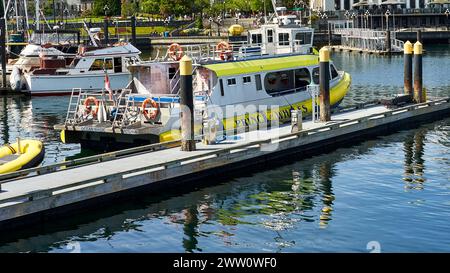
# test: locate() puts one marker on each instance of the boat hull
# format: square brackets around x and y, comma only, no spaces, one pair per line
[63,84]
[31,155]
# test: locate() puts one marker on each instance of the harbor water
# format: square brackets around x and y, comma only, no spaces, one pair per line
[389,194]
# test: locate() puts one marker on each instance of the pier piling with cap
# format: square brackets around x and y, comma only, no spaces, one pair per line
[186,105]
[324,84]
[419,36]
[3,50]
[408,80]
[418,83]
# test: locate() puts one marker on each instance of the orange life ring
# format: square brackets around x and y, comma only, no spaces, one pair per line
[153,114]
[225,50]
[87,105]
[175,51]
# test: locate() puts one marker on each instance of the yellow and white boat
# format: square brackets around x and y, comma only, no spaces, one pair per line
[23,154]
[243,85]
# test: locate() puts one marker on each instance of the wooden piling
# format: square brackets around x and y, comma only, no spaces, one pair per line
[418,50]
[105,30]
[133,30]
[324,84]
[419,36]
[3,50]
[408,52]
[186,105]
[388,41]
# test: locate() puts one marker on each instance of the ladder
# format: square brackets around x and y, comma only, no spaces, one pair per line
[315,111]
[74,103]
[123,103]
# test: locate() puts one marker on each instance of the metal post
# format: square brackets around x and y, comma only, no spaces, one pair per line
[3,50]
[419,36]
[388,41]
[133,30]
[330,35]
[418,50]
[186,105]
[324,84]
[105,29]
[408,51]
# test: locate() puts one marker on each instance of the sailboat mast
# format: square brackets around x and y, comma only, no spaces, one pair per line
[36,18]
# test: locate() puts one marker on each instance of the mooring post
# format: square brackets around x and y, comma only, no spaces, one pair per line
[418,95]
[388,41]
[419,36]
[408,51]
[105,30]
[3,50]
[330,36]
[186,105]
[324,84]
[133,30]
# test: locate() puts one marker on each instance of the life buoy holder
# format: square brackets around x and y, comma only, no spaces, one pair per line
[175,52]
[225,50]
[152,114]
[88,108]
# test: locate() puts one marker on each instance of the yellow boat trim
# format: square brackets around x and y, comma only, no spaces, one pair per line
[29,149]
[262,65]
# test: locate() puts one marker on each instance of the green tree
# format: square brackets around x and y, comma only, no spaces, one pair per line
[113,7]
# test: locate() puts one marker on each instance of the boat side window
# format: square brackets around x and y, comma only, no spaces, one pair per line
[270,36]
[302,78]
[231,81]
[315,75]
[117,65]
[222,93]
[334,73]
[101,64]
[283,39]
[256,38]
[303,38]
[278,83]
[258,82]
[247,79]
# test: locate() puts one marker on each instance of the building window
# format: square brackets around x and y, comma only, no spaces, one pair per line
[231,81]
[283,39]
[247,79]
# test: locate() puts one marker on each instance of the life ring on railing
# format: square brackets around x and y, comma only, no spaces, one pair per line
[153,114]
[225,50]
[175,51]
[88,107]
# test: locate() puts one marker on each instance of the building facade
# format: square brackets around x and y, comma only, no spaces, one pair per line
[332,5]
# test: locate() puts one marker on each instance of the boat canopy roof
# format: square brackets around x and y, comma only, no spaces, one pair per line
[261,65]
[122,49]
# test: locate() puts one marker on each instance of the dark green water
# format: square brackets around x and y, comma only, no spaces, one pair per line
[392,192]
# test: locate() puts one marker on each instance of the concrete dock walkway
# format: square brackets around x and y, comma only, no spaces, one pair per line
[26,196]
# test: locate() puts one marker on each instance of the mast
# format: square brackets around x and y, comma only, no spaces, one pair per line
[37,18]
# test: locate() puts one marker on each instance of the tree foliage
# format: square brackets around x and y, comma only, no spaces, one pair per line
[114,7]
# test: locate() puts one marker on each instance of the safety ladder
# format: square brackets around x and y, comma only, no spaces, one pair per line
[74,104]
[123,103]
[314,93]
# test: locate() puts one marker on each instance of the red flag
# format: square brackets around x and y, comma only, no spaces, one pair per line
[108,86]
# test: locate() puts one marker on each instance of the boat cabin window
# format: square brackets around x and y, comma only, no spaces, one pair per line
[247,79]
[117,65]
[258,82]
[172,72]
[315,75]
[101,64]
[334,73]
[222,93]
[283,39]
[270,35]
[302,78]
[277,83]
[256,38]
[231,81]
[303,38]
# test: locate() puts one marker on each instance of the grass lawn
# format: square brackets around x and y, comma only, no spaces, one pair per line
[140,31]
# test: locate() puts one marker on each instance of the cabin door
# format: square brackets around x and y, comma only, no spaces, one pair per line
[270,43]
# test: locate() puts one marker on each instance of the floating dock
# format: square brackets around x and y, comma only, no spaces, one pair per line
[54,190]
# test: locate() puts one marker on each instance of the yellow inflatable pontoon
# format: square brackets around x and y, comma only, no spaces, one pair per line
[21,155]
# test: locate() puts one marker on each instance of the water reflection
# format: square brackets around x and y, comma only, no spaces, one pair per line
[414,163]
